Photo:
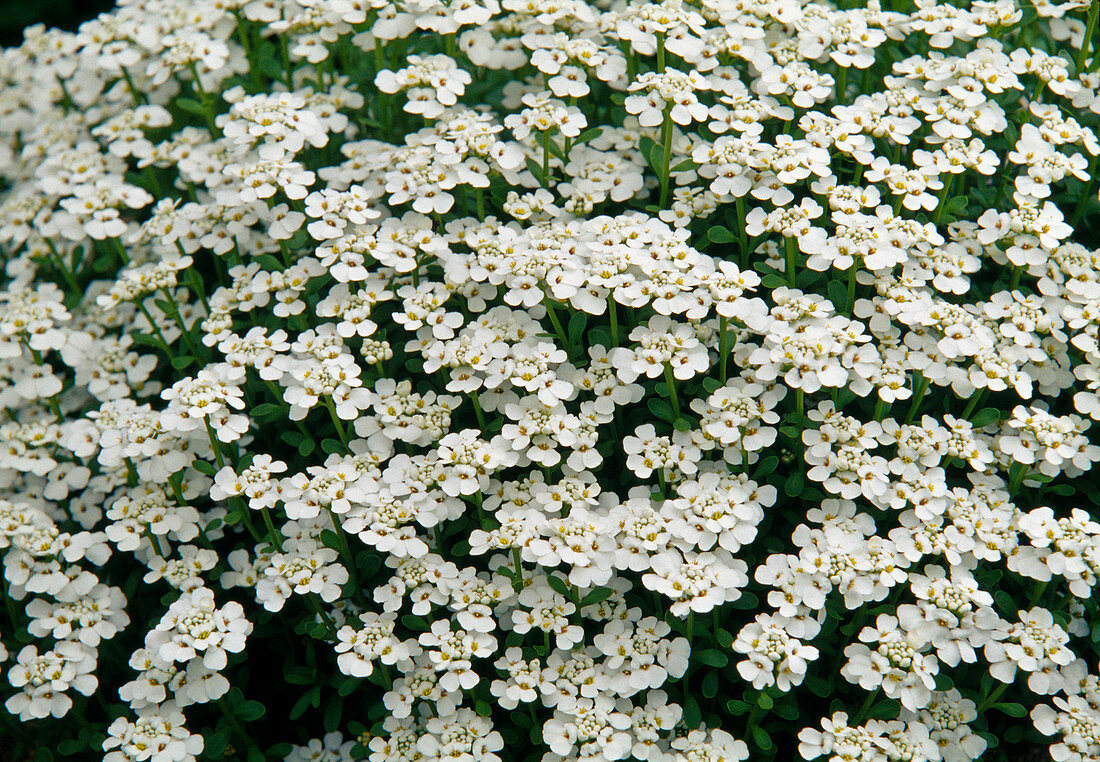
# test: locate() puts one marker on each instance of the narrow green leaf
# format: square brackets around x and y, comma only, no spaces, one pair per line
[597,595]
[984,417]
[712,657]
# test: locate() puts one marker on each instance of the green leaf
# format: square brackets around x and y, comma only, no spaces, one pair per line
[597,595]
[70,746]
[190,105]
[956,204]
[682,424]
[1063,490]
[746,601]
[331,446]
[214,745]
[415,623]
[991,740]
[369,563]
[267,409]
[483,708]
[534,167]
[589,134]
[269,262]
[656,157]
[334,712]
[720,234]
[794,484]
[145,340]
[601,337]
[838,294]
[1005,600]
[710,684]
[299,675]
[255,755]
[684,166]
[692,715]
[1012,710]
[761,737]
[577,322]
[711,384]
[348,686]
[558,585]
[661,409]
[203,467]
[712,657]
[723,637]
[787,710]
[303,702]
[306,446]
[985,417]
[738,707]
[766,466]
[884,710]
[330,539]
[251,711]
[773,281]
[818,686]
[182,362]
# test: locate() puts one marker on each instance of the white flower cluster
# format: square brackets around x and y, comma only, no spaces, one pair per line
[601,358]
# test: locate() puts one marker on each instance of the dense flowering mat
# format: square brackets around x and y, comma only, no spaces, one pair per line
[508,380]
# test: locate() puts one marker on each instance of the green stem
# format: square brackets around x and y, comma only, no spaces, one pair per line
[666,153]
[517,564]
[991,699]
[723,346]
[238,729]
[866,706]
[66,273]
[314,603]
[121,251]
[273,534]
[942,201]
[789,243]
[345,548]
[340,430]
[1086,43]
[156,328]
[880,408]
[972,403]
[742,235]
[1016,477]
[553,315]
[921,387]
[284,54]
[544,139]
[205,99]
[614,317]
[670,382]
[850,302]
[138,96]
[179,321]
[477,410]
[154,542]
